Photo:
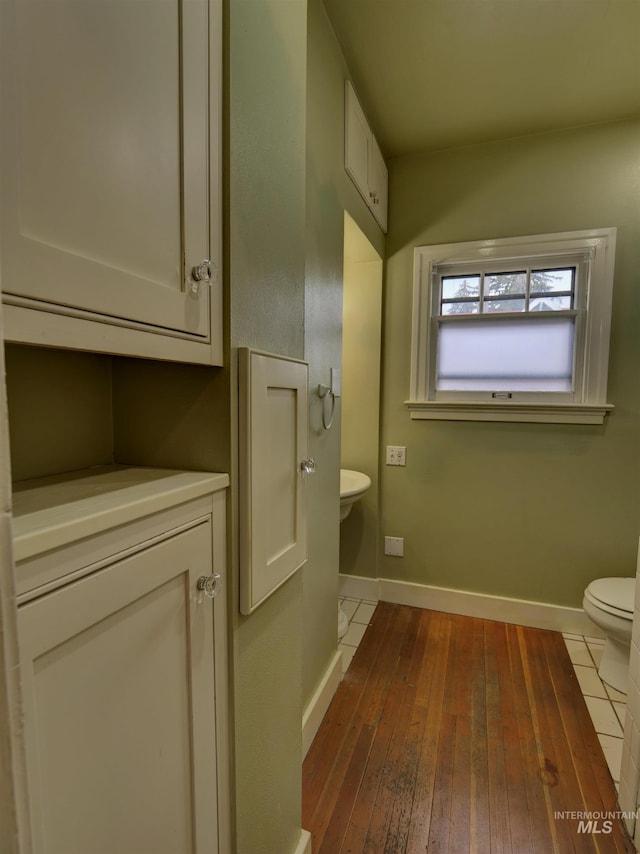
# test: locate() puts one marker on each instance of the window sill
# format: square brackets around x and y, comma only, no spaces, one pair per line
[538,413]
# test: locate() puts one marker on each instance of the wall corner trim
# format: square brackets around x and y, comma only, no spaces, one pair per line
[319,703]
[304,843]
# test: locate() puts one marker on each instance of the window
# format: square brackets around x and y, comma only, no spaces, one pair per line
[514,329]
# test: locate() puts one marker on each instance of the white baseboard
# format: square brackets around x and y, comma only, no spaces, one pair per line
[522,612]
[319,703]
[304,843]
[358,587]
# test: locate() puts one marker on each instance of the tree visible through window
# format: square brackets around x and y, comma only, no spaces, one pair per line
[546,290]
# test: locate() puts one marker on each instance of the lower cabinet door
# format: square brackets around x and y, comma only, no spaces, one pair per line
[120,706]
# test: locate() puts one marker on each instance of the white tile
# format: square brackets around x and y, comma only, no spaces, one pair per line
[364,613]
[596,651]
[347,654]
[589,682]
[612,749]
[633,699]
[634,744]
[350,606]
[569,636]
[354,634]
[578,652]
[595,641]
[621,709]
[618,696]
[603,716]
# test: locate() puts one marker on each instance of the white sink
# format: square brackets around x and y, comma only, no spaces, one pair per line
[353,485]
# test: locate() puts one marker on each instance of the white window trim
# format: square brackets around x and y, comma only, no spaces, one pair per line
[589,405]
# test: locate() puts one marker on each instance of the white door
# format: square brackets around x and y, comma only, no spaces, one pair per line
[273,473]
[120,707]
[105,153]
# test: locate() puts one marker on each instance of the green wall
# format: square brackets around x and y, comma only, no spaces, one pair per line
[265,260]
[59,410]
[522,510]
[329,193]
[361,366]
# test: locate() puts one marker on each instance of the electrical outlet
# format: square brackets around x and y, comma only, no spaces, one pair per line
[394,546]
[396,455]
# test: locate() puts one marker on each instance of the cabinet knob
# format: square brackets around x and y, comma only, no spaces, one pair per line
[204,273]
[208,584]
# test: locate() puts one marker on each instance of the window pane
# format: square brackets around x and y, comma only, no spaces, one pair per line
[491,306]
[496,284]
[460,307]
[454,287]
[546,281]
[521,355]
[548,303]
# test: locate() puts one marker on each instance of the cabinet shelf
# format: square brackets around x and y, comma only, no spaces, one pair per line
[52,512]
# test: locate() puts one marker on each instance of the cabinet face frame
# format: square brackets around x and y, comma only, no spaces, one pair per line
[135,316]
[273,484]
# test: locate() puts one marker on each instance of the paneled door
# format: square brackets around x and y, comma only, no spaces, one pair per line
[274,470]
[105,155]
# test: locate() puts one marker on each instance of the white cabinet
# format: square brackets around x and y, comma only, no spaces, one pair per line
[123,664]
[363,159]
[111,176]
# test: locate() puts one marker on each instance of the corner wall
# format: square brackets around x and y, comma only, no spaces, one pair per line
[528,511]
[329,193]
[361,367]
[265,263]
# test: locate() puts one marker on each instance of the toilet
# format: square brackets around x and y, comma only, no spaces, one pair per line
[609,602]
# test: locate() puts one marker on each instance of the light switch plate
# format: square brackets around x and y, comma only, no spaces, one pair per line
[396,455]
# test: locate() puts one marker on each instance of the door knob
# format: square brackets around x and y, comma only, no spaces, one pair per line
[204,273]
[308,466]
[208,584]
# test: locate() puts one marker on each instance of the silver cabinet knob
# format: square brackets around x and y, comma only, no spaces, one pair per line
[208,584]
[204,273]
[308,466]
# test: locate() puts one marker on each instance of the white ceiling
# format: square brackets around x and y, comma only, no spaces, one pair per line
[434,74]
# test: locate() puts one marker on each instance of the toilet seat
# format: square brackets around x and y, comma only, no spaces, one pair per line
[613,595]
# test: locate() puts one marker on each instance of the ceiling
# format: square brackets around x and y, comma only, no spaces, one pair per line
[435,74]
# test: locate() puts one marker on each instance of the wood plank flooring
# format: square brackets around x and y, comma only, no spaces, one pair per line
[454,734]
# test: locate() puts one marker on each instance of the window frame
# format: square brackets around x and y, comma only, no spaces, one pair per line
[593,251]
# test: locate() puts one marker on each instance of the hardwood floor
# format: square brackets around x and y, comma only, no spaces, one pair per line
[454,734]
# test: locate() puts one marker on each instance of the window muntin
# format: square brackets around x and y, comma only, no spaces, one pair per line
[547,289]
[522,283]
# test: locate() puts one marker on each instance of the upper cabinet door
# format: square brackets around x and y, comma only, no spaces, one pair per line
[378,185]
[363,159]
[357,142]
[107,160]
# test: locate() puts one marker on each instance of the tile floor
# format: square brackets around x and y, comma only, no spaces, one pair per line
[606,705]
